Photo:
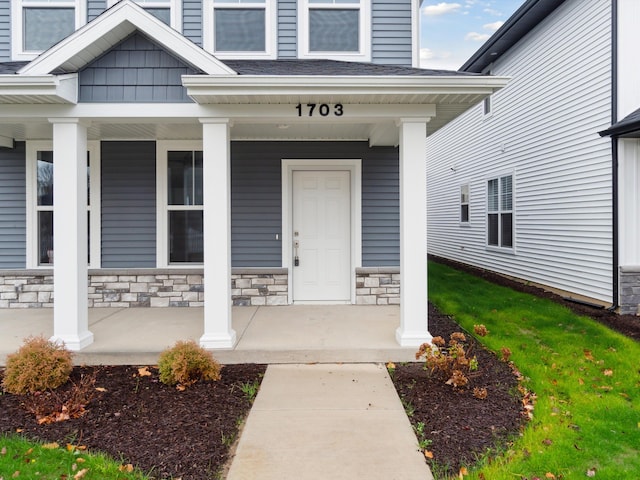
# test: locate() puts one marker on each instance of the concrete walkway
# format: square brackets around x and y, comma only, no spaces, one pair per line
[329,421]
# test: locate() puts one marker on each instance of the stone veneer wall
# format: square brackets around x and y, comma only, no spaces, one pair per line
[144,288]
[630,290]
[183,288]
[378,286]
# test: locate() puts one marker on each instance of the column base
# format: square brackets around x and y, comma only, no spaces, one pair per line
[74,343]
[219,342]
[412,339]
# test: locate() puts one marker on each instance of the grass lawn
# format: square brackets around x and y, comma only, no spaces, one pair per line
[20,458]
[586,421]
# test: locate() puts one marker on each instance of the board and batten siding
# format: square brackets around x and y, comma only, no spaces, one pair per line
[543,130]
[13,210]
[128,184]
[391,36]
[256,199]
[5,31]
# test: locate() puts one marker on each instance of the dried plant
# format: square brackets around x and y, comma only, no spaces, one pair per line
[480,330]
[185,363]
[506,354]
[452,363]
[37,366]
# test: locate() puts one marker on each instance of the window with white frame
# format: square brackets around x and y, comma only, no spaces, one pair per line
[338,29]
[39,24]
[487,106]
[40,207]
[240,28]
[464,203]
[167,11]
[500,212]
[180,204]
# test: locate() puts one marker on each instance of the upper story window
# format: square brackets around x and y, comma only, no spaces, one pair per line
[40,24]
[338,29]
[500,212]
[487,106]
[167,11]
[240,28]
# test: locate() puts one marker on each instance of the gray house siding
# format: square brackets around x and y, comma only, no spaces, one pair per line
[13,207]
[287,29]
[256,203]
[95,8]
[128,204]
[192,20]
[136,70]
[5,31]
[391,32]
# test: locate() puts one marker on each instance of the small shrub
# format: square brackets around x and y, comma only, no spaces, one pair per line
[185,363]
[38,365]
[480,393]
[506,354]
[452,363]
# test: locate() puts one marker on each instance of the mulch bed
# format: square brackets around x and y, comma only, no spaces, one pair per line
[188,434]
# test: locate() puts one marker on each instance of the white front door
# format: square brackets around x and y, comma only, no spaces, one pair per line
[321,236]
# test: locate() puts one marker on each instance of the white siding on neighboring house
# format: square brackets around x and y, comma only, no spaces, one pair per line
[543,130]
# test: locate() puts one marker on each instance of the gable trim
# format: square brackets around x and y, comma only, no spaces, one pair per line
[113,26]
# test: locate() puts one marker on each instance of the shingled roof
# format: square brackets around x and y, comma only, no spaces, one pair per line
[329,68]
[9,68]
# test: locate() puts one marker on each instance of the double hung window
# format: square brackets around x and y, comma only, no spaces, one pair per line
[40,210]
[240,28]
[337,29]
[40,24]
[168,11]
[180,203]
[464,203]
[500,212]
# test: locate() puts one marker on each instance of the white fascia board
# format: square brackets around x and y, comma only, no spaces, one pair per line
[133,17]
[248,85]
[52,88]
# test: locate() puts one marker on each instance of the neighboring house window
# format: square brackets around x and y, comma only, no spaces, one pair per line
[167,11]
[40,24]
[40,211]
[500,212]
[486,106]
[180,204]
[338,29]
[464,203]
[240,28]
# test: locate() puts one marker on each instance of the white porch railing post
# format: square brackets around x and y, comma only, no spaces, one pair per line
[70,315]
[413,330]
[218,331]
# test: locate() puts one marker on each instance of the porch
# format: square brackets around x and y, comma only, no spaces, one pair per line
[275,334]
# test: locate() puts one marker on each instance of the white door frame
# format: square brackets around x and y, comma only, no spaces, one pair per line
[352,165]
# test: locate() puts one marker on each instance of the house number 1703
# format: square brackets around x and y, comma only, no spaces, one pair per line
[321,109]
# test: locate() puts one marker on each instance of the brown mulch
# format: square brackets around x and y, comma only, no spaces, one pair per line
[161,430]
[188,434]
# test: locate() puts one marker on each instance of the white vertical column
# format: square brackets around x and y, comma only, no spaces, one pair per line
[413,330]
[70,315]
[218,331]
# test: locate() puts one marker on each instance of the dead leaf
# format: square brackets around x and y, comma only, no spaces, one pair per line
[144,372]
[428,454]
[19,430]
[16,474]
[547,441]
[588,355]
[581,381]
[608,372]
[51,446]
[126,468]
[81,474]
[591,472]
[549,475]
[463,471]
[180,387]
[28,452]
[4,450]
[101,389]
[80,460]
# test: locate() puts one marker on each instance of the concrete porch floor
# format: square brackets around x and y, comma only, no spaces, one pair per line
[289,334]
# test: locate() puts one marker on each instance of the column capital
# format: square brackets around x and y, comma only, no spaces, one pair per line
[73,120]
[215,120]
[404,120]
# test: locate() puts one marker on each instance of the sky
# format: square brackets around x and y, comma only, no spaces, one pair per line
[452,31]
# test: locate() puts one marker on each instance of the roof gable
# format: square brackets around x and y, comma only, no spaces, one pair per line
[109,29]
